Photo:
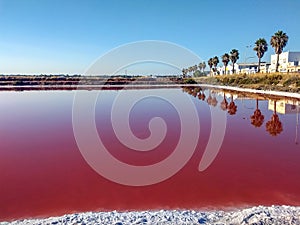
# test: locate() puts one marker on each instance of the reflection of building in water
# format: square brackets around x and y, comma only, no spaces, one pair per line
[227,95]
[285,106]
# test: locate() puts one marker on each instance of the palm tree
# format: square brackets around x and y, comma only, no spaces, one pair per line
[195,68]
[184,72]
[202,66]
[210,64]
[257,119]
[190,70]
[261,46]
[278,42]
[234,56]
[215,62]
[225,60]
[274,126]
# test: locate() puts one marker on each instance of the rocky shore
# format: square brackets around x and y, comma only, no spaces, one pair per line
[256,215]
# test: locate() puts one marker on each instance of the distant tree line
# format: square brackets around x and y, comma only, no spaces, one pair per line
[193,70]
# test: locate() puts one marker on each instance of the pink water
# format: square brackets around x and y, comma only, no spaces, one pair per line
[42,172]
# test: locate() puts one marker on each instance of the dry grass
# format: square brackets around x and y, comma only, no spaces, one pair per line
[272,81]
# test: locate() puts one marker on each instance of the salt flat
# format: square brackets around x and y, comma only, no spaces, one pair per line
[256,215]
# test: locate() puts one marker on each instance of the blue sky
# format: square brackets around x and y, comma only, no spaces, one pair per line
[55,36]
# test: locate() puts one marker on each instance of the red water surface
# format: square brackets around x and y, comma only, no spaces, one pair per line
[42,172]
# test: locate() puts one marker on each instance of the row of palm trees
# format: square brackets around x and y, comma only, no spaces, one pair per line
[193,69]
[226,58]
[278,42]
[213,63]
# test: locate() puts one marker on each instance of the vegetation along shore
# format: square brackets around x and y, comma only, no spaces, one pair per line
[273,81]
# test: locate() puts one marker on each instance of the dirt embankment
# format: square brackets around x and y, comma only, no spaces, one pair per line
[62,80]
[275,81]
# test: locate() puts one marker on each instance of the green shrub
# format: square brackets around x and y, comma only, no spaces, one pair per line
[189,81]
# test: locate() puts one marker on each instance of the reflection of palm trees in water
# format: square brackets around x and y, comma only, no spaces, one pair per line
[214,101]
[189,90]
[224,103]
[195,91]
[201,95]
[209,98]
[232,108]
[274,126]
[257,119]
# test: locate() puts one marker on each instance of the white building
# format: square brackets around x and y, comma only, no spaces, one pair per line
[288,62]
[244,68]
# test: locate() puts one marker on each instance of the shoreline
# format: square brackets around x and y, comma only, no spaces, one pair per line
[284,82]
[277,82]
[254,215]
[254,91]
[149,86]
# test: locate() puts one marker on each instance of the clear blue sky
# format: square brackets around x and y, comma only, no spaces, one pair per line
[64,36]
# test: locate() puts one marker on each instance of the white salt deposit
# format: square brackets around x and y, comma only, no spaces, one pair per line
[260,215]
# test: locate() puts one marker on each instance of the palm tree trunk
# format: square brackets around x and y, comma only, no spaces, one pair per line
[277,62]
[258,69]
[232,68]
[225,70]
